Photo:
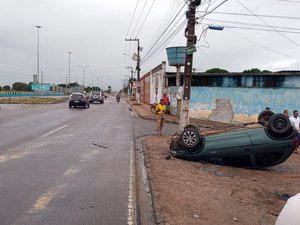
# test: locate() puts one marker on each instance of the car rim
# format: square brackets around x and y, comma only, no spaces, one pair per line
[189,138]
[280,124]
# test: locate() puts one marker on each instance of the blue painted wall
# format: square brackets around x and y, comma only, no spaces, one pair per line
[241,97]
[249,101]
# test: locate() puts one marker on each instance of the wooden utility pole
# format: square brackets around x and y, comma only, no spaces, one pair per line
[190,49]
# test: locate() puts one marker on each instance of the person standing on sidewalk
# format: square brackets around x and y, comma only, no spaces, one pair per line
[160,110]
[295,122]
[167,103]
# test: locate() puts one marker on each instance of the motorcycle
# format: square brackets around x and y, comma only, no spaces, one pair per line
[118,99]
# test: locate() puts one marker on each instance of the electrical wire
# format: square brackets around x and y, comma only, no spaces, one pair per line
[136,5]
[268,24]
[260,15]
[265,47]
[249,24]
[145,18]
[139,19]
[150,51]
[163,43]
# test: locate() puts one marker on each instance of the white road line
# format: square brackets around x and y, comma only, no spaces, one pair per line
[53,131]
[131,215]
[42,202]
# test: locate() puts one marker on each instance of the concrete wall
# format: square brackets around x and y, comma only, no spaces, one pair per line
[240,104]
[157,82]
[233,98]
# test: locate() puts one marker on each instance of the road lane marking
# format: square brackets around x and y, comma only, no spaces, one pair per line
[42,202]
[4,158]
[131,215]
[71,171]
[55,130]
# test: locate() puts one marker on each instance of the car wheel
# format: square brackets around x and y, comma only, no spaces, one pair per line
[264,117]
[279,124]
[190,138]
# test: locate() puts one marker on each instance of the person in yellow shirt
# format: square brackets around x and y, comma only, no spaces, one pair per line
[160,112]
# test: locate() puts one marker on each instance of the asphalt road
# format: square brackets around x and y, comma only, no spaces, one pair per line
[66,166]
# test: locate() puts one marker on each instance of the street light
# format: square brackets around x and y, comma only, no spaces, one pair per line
[38,52]
[83,68]
[69,68]
[92,73]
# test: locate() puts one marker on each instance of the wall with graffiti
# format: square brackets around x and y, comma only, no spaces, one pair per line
[238,98]
[240,104]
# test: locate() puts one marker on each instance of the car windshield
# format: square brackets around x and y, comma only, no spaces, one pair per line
[95,93]
[76,97]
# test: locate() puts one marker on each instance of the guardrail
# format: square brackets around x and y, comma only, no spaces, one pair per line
[27,94]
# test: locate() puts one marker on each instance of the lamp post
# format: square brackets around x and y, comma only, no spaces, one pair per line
[83,68]
[69,69]
[92,73]
[38,52]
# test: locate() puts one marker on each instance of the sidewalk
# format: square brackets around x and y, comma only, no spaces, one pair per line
[143,110]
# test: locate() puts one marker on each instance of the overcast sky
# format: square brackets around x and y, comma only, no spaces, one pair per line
[262,34]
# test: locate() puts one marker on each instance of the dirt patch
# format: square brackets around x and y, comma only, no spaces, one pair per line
[199,193]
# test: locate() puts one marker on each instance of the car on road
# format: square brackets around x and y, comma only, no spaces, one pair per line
[255,146]
[96,96]
[78,99]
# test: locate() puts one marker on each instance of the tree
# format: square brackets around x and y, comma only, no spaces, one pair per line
[6,88]
[253,70]
[216,70]
[19,86]
[62,85]
[266,71]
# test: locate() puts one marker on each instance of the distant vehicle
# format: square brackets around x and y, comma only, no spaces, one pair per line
[78,99]
[258,146]
[96,96]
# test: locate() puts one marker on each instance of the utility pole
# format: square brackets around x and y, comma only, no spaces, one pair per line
[69,69]
[190,49]
[137,67]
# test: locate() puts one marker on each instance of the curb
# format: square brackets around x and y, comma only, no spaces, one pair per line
[158,217]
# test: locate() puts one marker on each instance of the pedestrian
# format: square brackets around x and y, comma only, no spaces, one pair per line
[295,121]
[160,110]
[286,112]
[167,103]
[267,109]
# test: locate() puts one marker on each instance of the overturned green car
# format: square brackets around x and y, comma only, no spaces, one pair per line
[268,143]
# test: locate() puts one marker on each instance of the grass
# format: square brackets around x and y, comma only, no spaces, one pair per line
[31,100]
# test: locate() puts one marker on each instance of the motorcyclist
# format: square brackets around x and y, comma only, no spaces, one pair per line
[118,97]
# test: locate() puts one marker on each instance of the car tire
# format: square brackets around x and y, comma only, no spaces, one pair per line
[190,138]
[279,124]
[264,117]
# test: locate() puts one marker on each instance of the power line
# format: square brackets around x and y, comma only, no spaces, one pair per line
[250,24]
[265,47]
[259,15]
[268,24]
[139,18]
[163,33]
[136,5]
[146,17]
